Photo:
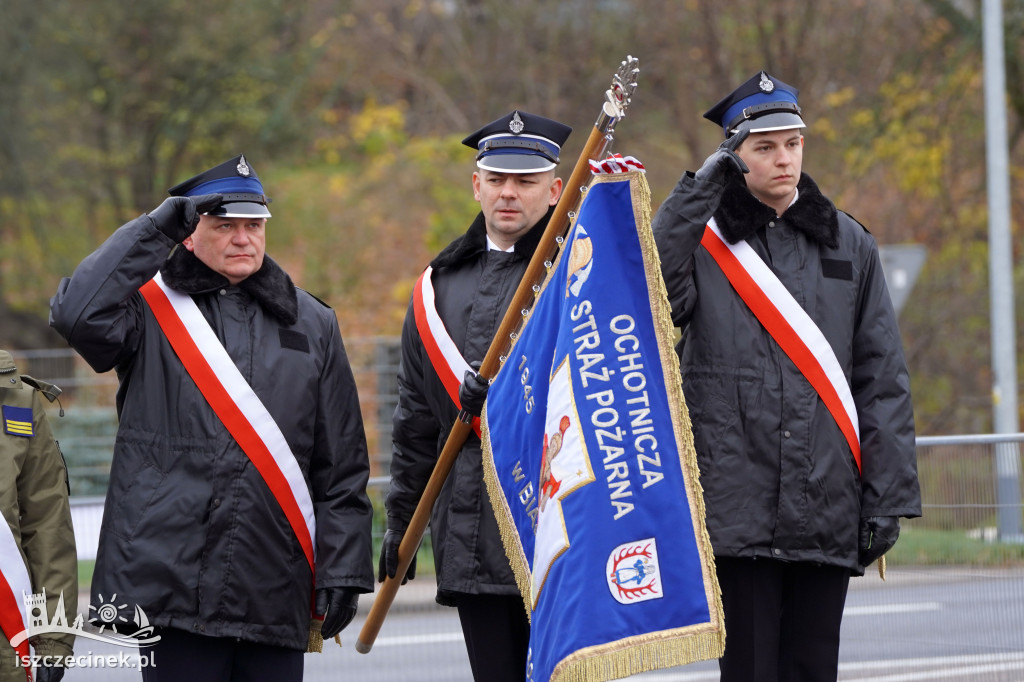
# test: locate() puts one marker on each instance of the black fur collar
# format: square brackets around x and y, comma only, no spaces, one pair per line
[270,285]
[474,241]
[741,214]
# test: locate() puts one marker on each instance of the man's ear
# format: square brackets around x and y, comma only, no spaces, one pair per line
[476,185]
[188,243]
[556,191]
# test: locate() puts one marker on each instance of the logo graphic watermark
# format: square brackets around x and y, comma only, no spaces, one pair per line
[110,616]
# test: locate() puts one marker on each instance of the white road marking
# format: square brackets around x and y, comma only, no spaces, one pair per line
[891,608]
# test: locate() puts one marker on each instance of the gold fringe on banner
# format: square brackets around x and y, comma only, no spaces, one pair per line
[519,562]
[665,329]
[509,534]
[628,657]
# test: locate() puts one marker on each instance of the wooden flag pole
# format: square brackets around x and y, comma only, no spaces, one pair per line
[617,99]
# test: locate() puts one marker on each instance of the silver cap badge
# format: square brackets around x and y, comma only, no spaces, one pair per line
[766,84]
[242,169]
[516,125]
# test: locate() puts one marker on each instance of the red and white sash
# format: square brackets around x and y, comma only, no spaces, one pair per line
[790,326]
[444,355]
[236,404]
[14,581]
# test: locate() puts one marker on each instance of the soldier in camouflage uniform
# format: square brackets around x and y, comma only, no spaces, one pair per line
[34,503]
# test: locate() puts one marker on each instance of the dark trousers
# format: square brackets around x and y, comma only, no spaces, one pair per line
[781,620]
[497,634]
[180,656]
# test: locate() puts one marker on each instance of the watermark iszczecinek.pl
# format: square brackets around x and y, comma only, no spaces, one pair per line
[122,659]
[135,634]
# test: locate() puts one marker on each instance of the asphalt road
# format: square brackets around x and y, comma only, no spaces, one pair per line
[949,624]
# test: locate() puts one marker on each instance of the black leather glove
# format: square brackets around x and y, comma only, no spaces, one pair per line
[473,391]
[49,673]
[177,217]
[877,536]
[388,564]
[722,164]
[339,606]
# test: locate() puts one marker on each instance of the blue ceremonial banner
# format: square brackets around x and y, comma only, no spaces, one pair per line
[590,464]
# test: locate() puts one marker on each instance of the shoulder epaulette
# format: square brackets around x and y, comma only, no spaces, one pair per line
[51,391]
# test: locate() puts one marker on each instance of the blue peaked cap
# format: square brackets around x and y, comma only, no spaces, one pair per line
[761,104]
[236,180]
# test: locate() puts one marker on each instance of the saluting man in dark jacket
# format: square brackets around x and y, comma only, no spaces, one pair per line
[240,461]
[459,302]
[796,382]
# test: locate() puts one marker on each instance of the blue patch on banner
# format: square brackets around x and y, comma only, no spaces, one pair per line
[17,420]
[585,451]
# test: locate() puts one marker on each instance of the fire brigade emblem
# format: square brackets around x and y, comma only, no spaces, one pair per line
[516,125]
[633,573]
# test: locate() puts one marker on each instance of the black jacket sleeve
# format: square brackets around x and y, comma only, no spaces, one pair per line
[98,309]
[339,470]
[415,431]
[678,227]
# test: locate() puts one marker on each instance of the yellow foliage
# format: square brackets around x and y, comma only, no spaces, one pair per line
[325,33]
[378,128]
[413,8]
[905,133]
[824,129]
[338,184]
[840,98]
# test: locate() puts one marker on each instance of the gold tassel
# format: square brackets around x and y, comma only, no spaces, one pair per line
[315,644]
[881,567]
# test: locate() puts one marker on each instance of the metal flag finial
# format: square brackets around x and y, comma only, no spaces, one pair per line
[619,95]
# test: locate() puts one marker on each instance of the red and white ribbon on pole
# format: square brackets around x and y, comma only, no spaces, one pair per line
[790,326]
[616,163]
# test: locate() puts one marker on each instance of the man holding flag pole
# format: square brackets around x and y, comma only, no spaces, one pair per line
[602,643]
[456,307]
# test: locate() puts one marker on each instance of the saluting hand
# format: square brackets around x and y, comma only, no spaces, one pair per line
[177,217]
[722,163]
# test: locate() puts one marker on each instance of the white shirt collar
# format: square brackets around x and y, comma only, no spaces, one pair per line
[796,195]
[491,246]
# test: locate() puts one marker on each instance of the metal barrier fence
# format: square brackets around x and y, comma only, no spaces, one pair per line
[87,428]
[952,606]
